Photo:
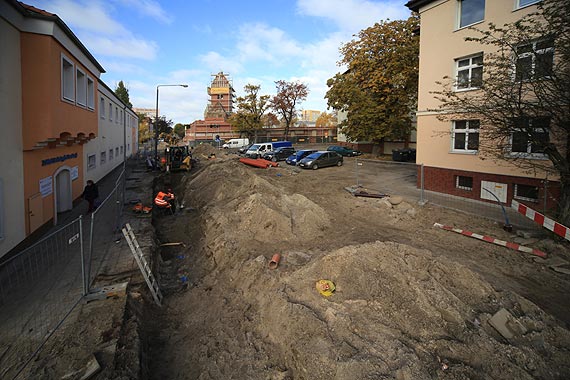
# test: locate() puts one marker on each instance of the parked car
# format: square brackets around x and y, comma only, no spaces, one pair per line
[279,154]
[244,149]
[321,159]
[258,150]
[344,151]
[298,156]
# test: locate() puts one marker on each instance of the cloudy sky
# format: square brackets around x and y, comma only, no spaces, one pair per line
[145,43]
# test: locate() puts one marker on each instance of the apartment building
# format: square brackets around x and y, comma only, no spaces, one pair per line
[49,88]
[448,150]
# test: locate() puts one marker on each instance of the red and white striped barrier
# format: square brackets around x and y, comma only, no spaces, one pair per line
[490,239]
[544,221]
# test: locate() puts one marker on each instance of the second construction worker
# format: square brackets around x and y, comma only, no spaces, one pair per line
[165,201]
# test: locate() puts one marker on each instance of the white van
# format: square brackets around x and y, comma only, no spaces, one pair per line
[258,150]
[236,143]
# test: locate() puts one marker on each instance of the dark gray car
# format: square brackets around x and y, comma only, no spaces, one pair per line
[279,154]
[321,159]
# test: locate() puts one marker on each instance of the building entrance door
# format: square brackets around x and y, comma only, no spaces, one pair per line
[35,212]
[63,201]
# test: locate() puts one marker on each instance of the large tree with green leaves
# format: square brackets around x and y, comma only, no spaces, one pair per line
[289,96]
[122,93]
[523,101]
[180,130]
[250,110]
[378,91]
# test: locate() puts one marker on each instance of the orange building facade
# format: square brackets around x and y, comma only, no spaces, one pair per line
[50,103]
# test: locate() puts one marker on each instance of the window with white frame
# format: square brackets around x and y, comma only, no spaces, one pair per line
[103,157]
[90,94]
[463,182]
[469,72]
[81,87]
[110,111]
[524,3]
[67,79]
[102,107]
[110,154]
[465,136]
[530,136]
[117,152]
[471,12]
[526,192]
[121,149]
[534,60]
[91,162]
[116,115]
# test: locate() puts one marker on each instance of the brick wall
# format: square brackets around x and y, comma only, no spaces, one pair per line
[444,181]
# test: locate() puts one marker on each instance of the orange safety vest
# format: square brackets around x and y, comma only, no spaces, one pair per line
[161,199]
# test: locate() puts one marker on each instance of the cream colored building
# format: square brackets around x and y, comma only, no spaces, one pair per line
[449,150]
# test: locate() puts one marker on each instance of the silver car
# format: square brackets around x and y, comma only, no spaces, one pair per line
[320,160]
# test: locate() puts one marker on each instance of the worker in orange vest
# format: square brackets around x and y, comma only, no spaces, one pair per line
[165,200]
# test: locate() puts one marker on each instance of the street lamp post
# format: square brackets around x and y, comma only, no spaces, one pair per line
[156,119]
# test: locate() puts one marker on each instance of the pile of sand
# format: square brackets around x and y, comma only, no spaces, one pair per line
[398,312]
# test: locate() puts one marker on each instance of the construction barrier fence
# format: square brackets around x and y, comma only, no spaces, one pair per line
[34,300]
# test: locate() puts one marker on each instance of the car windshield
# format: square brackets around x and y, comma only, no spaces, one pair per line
[312,156]
[255,146]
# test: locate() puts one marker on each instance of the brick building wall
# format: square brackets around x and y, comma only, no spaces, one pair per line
[445,181]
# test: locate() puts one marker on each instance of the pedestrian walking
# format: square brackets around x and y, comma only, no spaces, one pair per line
[90,194]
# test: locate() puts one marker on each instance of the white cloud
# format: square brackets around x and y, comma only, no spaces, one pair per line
[258,41]
[149,8]
[92,22]
[125,47]
[215,62]
[354,15]
[91,16]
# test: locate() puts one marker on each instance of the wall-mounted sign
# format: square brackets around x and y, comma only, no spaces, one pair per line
[46,187]
[74,173]
[53,160]
[219,90]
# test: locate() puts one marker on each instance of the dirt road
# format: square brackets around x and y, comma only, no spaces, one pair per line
[411,301]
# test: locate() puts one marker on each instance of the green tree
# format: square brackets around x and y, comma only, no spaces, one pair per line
[523,101]
[180,130]
[379,90]
[249,116]
[326,120]
[289,96]
[122,93]
[144,128]
[163,125]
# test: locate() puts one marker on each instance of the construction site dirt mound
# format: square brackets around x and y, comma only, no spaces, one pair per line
[410,302]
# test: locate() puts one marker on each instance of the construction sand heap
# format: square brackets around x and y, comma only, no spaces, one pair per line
[397,312]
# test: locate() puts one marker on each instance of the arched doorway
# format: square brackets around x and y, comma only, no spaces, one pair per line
[63,198]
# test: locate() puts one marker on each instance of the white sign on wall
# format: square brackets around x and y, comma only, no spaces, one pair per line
[74,173]
[499,189]
[46,187]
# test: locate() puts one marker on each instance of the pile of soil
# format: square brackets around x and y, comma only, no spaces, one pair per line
[410,302]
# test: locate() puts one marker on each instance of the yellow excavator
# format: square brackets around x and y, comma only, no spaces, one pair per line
[176,158]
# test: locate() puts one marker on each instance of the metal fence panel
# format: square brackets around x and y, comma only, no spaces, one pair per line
[33,298]
[105,229]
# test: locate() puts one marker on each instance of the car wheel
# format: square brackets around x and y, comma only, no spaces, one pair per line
[339,163]
[274,159]
[349,155]
[315,166]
